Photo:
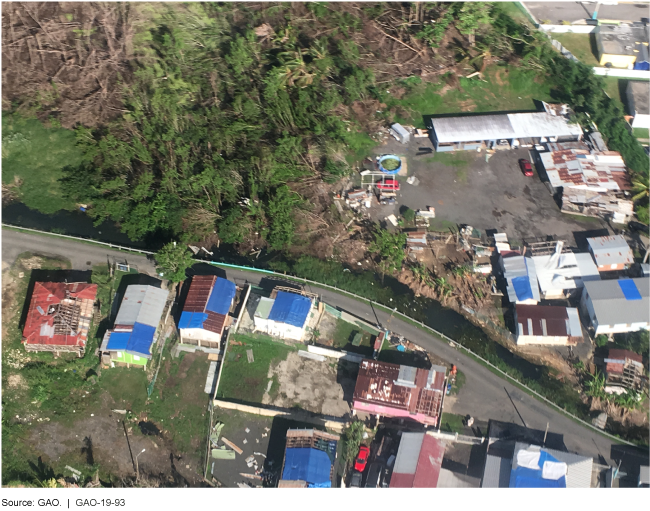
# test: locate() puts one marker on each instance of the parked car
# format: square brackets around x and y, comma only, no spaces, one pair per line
[388,184]
[374,475]
[355,480]
[362,458]
[526,167]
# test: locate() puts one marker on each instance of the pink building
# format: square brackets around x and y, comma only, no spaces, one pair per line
[400,391]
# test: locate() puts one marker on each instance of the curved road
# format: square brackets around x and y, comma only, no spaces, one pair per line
[484,395]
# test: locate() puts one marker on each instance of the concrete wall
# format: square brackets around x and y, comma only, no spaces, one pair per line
[523,340]
[340,355]
[641,121]
[301,416]
[568,29]
[622,73]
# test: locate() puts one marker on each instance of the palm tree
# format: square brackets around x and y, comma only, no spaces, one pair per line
[443,287]
[595,386]
[640,187]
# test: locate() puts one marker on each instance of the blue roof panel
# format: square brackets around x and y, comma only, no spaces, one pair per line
[141,339]
[523,477]
[290,308]
[118,340]
[630,291]
[307,464]
[522,288]
[221,296]
[192,319]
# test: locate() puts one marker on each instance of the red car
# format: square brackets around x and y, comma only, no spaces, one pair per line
[526,167]
[388,184]
[362,458]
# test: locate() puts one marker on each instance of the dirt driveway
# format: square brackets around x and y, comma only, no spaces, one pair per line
[320,387]
[486,195]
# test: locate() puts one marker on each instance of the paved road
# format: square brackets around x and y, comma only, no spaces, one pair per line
[484,394]
[557,12]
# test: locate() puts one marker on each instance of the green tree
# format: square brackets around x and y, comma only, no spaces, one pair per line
[469,16]
[390,248]
[595,386]
[173,260]
[353,437]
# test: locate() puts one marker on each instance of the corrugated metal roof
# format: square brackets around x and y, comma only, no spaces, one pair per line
[546,320]
[579,468]
[418,461]
[264,307]
[516,267]
[206,295]
[610,250]
[142,304]
[408,452]
[612,308]
[564,271]
[619,354]
[497,472]
[290,308]
[542,124]
[449,479]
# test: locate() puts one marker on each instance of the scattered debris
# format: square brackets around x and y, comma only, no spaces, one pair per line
[244,441]
[251,476]
[232,446]
[247,430]
[249,354]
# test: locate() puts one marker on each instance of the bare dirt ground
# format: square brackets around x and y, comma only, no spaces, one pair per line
[319,387]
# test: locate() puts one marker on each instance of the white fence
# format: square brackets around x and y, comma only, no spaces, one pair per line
[398,313]
[622,73]
[568,29]
[566,53]
[341,355]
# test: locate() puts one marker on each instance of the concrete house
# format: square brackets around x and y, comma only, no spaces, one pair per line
[502,131]
[623,370]
[206,310]
[549,325]
[638,98]
[130,341]
[611,253]
[284,314]
[617,306]
[622,45]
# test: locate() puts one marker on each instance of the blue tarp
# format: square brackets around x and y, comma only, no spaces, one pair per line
[629,289]
[141,339]
[221,296]
[522,477]
[522,288]
[136,342]
[642,66]
[192,319]
[290,308]
[118,341]
[307,464]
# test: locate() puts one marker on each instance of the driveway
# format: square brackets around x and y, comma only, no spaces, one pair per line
[484,394]
[557,12]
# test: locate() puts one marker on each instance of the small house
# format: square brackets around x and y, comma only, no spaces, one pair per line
[130,341]
[418,462]
[416,241]
[309,459]
[548,325]
[611,253]
[617,306]
[623,370]
[59,316]
[400,391]
[638,99]
[284,314]
[521,278]
[206,312]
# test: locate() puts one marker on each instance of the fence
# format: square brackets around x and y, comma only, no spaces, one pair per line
[568,29]
[425,327]
[622,73]
[566,53]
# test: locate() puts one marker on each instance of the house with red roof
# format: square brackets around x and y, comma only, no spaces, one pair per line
[59,317]
[418,462]
[391,390]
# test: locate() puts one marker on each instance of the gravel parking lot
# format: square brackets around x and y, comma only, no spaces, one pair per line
[465,189]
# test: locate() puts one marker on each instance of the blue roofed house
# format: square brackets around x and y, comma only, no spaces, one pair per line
[206,312]
[284,315]
[129,342]
[309,459]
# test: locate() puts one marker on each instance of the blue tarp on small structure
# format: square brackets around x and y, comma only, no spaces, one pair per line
[522,477]
[629,289]
[118,341]
[137,341]
[290,308]
[307,464]
[192,319]
[522,288]
[221,296]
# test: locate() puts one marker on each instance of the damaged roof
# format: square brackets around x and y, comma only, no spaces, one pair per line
[548,321]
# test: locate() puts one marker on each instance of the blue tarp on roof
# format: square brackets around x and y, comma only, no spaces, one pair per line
[307,464]
[290,308]
[141,339]
[118,341]
[522,477]
[629,289]
[221,296]
[642,66]
[192,319]
[522,288]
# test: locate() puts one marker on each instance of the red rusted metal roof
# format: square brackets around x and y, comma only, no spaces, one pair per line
[197,299]
[556,319]
[64,315]
[427,470]
[619,354]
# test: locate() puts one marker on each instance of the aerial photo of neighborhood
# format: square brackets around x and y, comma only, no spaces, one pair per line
[325,245]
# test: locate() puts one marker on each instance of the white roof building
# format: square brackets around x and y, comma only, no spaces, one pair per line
[559,274]
[519,272]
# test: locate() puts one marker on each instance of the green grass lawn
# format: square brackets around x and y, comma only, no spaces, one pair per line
[615,89]
[244,381]
[451,423]
[345,332]
[127,386]
[643,133]
[505,88]
[581,45]
[37,155]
